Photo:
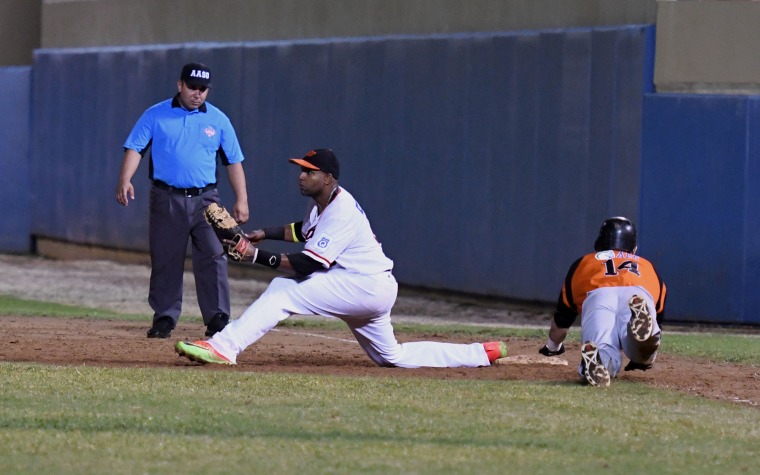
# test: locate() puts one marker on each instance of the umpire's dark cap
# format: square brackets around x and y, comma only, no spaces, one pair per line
[196,74]
[322,159]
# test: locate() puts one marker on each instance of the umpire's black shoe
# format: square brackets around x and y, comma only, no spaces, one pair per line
[217,324]
[162,328]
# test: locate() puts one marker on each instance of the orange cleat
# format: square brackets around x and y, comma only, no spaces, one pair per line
[495,350]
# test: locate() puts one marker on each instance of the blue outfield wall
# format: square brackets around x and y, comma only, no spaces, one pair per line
[701,202]
[15,227]
[486,162]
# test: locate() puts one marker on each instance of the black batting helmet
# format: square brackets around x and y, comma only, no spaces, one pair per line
[617,233]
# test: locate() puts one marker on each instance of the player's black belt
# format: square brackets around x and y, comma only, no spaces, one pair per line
[183,191]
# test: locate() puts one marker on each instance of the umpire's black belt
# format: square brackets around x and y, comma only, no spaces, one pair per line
[183,191]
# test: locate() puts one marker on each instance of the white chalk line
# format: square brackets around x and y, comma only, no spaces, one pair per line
[290,332]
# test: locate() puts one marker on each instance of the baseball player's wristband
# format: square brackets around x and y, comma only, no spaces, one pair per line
[275,232]
[269,259]
[295,231]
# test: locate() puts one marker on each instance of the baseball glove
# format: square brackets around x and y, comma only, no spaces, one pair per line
[223,224]
[241,249]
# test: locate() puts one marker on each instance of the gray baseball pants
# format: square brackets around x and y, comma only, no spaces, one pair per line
[175,219]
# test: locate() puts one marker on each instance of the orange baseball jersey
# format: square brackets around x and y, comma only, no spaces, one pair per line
[607,269]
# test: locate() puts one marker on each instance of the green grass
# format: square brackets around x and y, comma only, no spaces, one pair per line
[732,348]
[15,306]
[33,308]
[82,420]
[101,420]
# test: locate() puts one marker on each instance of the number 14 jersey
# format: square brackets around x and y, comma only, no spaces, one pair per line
[610,269]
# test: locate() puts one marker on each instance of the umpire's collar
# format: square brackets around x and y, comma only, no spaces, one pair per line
[175,103]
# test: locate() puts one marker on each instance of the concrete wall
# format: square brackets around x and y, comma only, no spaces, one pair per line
[74,23]
[19,31]
[702,46]
[709,46]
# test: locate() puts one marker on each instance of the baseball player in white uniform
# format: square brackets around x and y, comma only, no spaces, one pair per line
[342,272]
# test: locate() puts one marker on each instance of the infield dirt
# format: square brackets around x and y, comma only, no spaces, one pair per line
[123,288]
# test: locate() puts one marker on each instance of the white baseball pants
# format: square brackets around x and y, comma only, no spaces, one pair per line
[364,302]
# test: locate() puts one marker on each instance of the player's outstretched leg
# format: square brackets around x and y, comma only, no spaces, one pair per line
[595,372]
[640,325]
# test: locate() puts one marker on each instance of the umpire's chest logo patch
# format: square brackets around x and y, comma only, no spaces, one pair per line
[209,131]
[323,241]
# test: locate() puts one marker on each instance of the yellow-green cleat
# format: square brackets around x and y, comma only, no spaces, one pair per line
[200,351]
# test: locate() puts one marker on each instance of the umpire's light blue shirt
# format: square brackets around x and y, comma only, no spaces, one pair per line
[184,144]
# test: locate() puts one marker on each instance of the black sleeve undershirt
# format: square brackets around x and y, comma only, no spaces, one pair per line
[303,264]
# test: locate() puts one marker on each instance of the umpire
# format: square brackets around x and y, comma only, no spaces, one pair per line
[186,135]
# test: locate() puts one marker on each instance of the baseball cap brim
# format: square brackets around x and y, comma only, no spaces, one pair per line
[197,82]
[303,163]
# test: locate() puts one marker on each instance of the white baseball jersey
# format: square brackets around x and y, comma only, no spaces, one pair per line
[358,288]
[341,234]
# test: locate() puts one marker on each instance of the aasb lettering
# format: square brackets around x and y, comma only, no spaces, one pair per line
[625,266]
[624,255]
[195,73]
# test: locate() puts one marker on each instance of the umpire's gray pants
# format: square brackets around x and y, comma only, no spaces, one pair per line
[173,219]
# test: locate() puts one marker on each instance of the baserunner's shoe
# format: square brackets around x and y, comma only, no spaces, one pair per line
[594,371]
[495,350]
[200,351]
[640,325]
